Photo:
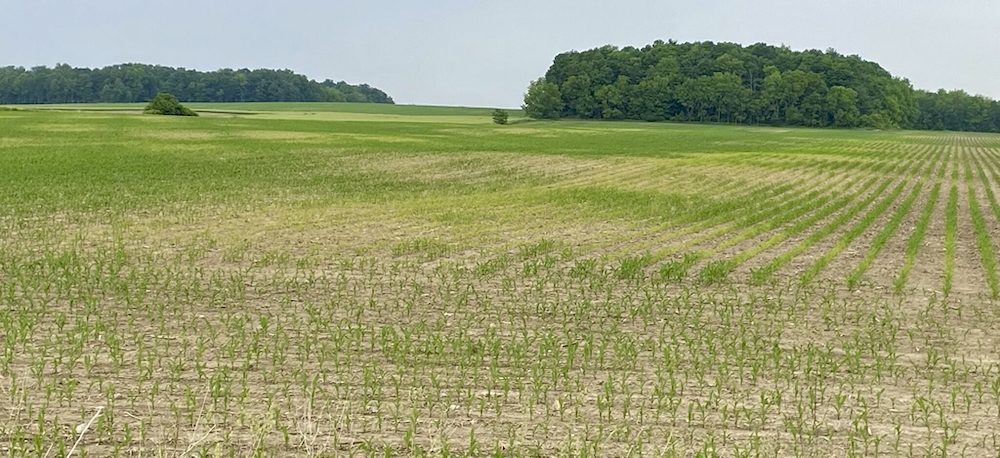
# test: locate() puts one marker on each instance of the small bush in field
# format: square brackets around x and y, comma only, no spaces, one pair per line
[166,104]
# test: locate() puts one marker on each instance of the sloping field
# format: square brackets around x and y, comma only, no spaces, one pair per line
[315,281]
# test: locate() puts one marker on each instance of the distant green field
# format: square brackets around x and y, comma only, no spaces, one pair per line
[307,111]
[330,279]
[371,108]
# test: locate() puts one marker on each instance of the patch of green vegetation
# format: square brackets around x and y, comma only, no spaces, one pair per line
[715,272]
[535,249]
[347,107]
[427,248]
[632,267]
[613,202]
[166,104]
[676,270]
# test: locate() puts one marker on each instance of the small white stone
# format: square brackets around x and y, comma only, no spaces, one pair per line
[81,428]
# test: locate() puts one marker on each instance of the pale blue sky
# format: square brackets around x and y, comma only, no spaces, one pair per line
[484,53]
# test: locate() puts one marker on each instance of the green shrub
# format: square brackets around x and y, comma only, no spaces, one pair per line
[166,104]
[500,116]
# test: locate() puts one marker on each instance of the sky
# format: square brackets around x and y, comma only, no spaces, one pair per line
[484,53]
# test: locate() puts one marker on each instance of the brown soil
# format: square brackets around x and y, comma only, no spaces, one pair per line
[928,269]
[887,265]
[802,262]
[844,264]
[969,277]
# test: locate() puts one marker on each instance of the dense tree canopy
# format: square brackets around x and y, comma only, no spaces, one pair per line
[957,110]
[726,82]
[140,83]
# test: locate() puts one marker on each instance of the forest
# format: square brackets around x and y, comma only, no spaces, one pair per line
[139,83]
[757,84]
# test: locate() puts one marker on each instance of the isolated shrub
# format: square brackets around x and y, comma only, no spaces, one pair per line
[500,116]
[166,104]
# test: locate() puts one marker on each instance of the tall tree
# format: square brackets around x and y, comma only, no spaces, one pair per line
[842,106]
[543,100]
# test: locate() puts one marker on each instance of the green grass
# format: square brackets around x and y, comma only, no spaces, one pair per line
[417,281]
[298,107]
[368,108]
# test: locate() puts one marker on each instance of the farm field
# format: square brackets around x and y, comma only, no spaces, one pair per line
[415,281]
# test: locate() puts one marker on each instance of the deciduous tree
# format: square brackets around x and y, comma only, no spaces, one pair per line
[543,100]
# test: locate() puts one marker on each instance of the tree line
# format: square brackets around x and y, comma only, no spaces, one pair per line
[956,110]
[757,84]
[140,83]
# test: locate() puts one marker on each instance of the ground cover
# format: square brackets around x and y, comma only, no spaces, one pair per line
[421,282]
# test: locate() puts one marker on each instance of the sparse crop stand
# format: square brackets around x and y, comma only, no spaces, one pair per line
[347,280]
